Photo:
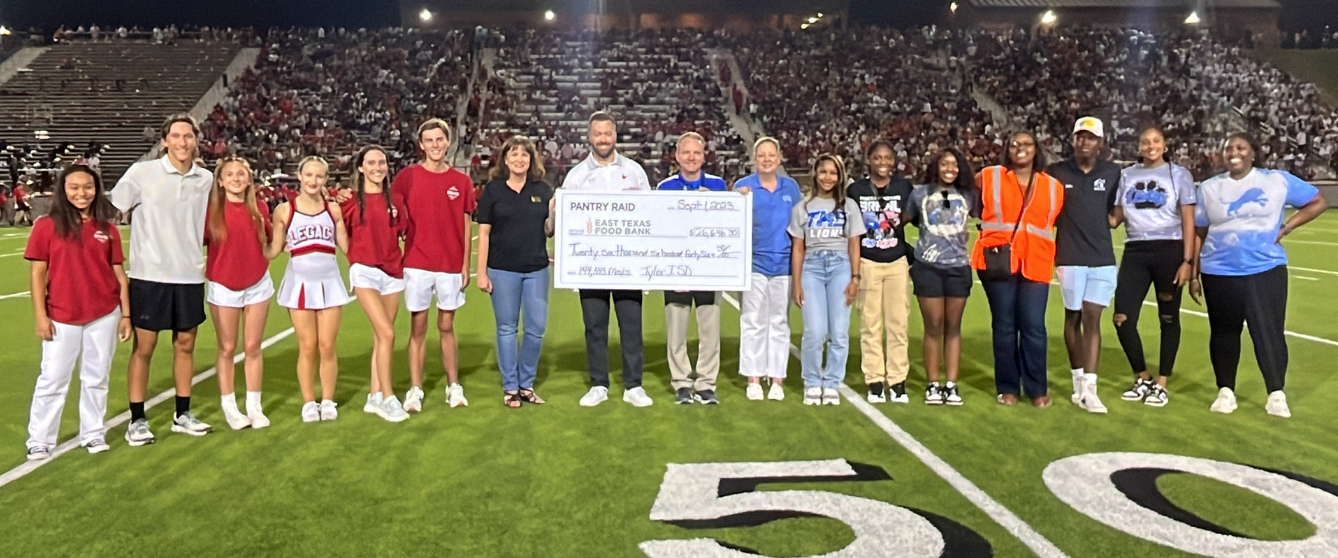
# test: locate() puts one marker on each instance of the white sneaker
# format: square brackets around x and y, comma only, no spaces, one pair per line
[755,391]
[373,405]
[328,410]
[455,395]
[637,397]
[776,393]
[188,424]
[1078,381]
[38,453]
[311,412]
[813,396]
[392,411]
[97,445]
[1277,405]
[1225,403]
[258,418]
[138,434]
[413,400]
[1089,401]
[595,396]
[830,396]
[236,420]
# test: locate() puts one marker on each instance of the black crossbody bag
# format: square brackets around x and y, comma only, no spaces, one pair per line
[999,259]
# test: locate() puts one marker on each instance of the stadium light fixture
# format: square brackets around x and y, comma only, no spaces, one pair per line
[812,20]
[1193,19]
[819,14]
[549,15]
[804,26]
[425,15]
[4,31]
[953,7]
[1049,17]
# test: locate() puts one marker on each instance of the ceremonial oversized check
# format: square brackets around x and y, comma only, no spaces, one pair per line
[648,240]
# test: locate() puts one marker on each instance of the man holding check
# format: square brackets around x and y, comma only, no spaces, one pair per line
[605,170]
[691,153]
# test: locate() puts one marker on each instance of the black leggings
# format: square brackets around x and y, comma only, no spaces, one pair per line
[1259,300]
[1149,263]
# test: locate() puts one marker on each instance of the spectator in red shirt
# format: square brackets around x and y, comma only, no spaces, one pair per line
[81,304]
[21,209]
[376,269]
[236,233]
[437,201]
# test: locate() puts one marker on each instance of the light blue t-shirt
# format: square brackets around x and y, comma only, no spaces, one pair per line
[1151,199]
[1243,219]
[771,216]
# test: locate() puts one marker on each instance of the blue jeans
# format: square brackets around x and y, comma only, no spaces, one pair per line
[826,275]
[512,293]
[1017,312]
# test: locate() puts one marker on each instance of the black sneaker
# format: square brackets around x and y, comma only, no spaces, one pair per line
[707,397]
[897,393]
[683,396]
[950,395]
[876,393]
[932,395]
[1139,390]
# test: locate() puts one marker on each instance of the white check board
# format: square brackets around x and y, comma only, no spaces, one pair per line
[653,240]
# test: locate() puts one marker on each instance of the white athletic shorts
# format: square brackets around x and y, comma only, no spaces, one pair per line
[421,284]
[368,277]
[1080,284]
[262,291]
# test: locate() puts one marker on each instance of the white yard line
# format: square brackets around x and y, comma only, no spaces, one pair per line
[16,295]
[12,254]
[1306,278]
[30,466]
[1010,521]
[1307,269]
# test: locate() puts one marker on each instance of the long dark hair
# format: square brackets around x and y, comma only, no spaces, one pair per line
[839,192]
[965,177]
[1038,162]
[65,216]
[357,178]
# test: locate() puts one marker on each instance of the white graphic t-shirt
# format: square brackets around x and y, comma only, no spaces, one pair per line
[816,221]
[1151,198]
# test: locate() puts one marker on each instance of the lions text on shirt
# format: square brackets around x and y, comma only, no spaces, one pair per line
[816,221]
[1151,198]
[1243,219]
[621,174]
[167,214]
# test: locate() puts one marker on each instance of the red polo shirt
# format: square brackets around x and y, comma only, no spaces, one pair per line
[80,284]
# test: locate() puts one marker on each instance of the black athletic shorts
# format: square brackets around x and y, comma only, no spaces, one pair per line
[166,306]
[939,282]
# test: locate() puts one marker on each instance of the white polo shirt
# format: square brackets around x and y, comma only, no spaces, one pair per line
[167,210]
[621,174]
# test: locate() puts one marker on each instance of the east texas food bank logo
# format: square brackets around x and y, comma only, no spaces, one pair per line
[1117,489]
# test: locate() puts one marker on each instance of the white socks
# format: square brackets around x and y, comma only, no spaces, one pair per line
[229,402]
[252,401]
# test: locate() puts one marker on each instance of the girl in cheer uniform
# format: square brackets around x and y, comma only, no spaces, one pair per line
[312,289]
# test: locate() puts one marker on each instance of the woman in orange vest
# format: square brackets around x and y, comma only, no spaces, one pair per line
[1015,257]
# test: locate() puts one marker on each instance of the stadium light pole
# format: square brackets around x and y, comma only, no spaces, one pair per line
[1049,18]
[953,8]
[425,15]
[549,15]
[1193,19]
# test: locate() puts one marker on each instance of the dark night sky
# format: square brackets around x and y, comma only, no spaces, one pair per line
[378,13]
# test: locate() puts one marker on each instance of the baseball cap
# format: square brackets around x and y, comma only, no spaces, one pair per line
[1090,124]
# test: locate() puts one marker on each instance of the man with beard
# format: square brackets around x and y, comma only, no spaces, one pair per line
[1085,257]
[606,170]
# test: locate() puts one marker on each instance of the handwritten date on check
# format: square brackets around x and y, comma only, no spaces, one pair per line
[652,240]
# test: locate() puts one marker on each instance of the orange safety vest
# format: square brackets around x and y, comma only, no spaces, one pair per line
[1001,200]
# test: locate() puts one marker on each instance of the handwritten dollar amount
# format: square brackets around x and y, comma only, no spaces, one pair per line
[714,232]
[720,252]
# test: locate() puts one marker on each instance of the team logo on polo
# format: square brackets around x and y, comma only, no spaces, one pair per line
[452,193]
[101,237]
[1099,185]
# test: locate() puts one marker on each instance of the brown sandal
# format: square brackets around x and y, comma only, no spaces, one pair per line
[1007,399]
[511,399]
[528,396]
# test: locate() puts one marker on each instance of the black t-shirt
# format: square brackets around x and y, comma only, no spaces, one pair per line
[884,239]
[1083,236]
[517,242]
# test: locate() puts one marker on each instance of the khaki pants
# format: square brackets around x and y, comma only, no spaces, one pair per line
[885,307]
[708,340]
